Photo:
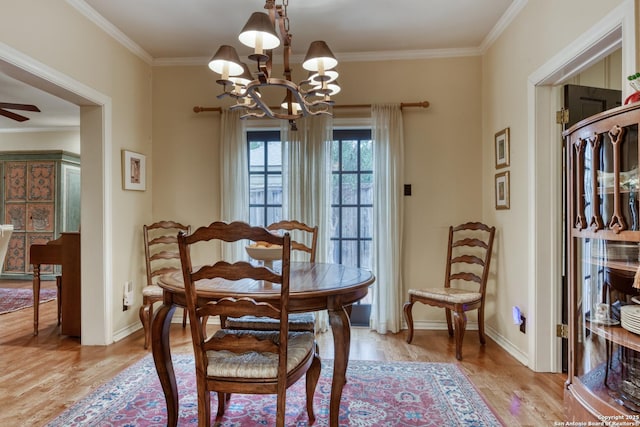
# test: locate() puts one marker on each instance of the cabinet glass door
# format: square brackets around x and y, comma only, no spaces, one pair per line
[607,359]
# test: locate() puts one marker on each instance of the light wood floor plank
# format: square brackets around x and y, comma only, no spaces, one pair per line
[41,376]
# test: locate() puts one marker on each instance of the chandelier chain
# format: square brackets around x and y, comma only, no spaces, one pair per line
[285,3]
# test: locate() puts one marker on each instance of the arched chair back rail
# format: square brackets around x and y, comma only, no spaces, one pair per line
[467,270]
[304,238]
[161,256]
[244,361]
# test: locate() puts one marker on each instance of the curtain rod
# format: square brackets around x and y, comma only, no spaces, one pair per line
[423,104]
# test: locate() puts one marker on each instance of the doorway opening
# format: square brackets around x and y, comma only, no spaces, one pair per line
[95,199]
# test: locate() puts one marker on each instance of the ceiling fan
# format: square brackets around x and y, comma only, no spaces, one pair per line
[4,106]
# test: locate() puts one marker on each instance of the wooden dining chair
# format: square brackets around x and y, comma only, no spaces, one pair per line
[161,256]
[465,283]
[304,238]
[243,361]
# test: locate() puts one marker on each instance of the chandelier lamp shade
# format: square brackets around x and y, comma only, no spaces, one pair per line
[263,33]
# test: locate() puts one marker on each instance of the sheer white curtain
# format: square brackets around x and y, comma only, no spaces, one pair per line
[234,179]
[388,148]
[307,181]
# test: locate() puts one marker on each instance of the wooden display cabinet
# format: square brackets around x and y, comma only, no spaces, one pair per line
[40,197]
[603,235]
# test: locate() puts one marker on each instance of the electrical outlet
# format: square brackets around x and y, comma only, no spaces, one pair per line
[127,295]
[523,324]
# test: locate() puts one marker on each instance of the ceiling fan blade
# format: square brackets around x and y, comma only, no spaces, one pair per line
[14,116]
[24,107]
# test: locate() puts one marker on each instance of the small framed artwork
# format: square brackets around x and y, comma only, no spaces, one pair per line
[133,171]
[502,190]
[502,148]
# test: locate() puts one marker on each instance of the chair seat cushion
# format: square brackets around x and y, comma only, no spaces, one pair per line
[297,322]
[450,295]
[254,364]
[152,291]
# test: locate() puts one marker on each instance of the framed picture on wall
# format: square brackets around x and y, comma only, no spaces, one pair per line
[502,190]
[502,148]
[133,171]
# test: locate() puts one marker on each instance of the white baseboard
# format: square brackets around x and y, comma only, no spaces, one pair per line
[504,343]
[125,332]
[507,346]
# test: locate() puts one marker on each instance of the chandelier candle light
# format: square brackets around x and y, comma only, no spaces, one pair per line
[309,98]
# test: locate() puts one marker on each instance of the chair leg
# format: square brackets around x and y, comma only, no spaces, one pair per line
[281,407]
[146,313]
[408,317]
[313,375]
[481,325]
[223,398]
[461,324]
[204,403]
[447,313]
[184,318]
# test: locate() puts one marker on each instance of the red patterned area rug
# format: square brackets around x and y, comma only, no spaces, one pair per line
[376,394]
[17,299]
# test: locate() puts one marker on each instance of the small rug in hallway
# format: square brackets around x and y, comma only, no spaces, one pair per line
[17,299]
[376,394]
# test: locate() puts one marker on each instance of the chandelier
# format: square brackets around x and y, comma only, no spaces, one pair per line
[310,97]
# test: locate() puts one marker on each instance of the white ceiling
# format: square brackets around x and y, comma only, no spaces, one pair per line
[189,31]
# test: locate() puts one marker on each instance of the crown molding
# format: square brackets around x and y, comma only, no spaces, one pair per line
[92,15]
[505,20]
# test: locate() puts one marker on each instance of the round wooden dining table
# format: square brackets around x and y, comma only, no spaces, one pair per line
[313,287]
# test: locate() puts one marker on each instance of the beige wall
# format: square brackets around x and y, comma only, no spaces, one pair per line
[540,31]
[56,35]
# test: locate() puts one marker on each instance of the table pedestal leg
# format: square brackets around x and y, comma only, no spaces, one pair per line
[341,328]
[162,358]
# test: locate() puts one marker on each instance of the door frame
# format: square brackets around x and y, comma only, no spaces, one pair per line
[96,178]
[614,31]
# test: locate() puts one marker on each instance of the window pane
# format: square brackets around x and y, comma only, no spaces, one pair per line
[335,189]
[256,216]
[274,214]
[366,189]
[256,156]
[349,155]
[365,254]
[274,156]
[366,223]
[350,222]
[256,189]
[274,192]
[349,189]
[335,222]
[350,253]
[366,155]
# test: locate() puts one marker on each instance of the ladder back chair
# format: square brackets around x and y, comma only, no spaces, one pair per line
[161,257]
[468,257]
[243,361]
[306,240]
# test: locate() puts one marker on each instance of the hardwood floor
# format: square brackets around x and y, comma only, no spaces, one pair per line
[43,375]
